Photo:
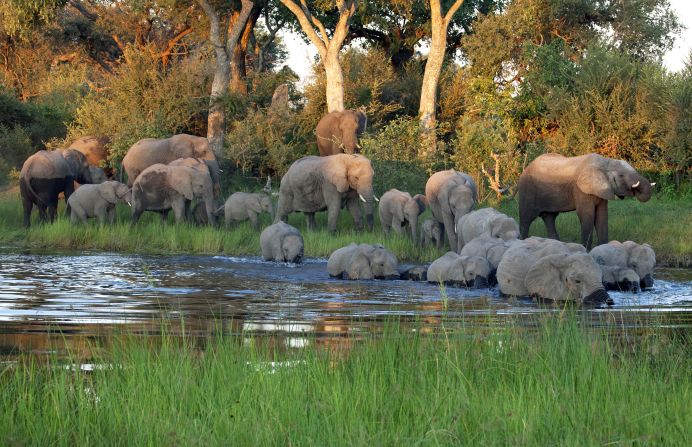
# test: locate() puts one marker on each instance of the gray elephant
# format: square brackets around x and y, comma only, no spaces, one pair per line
[98,200]
[162,187]
[639,257]
[620,279]
[149,151]
[431,233]
[98,175]
[95,149]
[363,261]
[45,175]
[485,222]
[398,208]
[282,242]
[450,194]
[554,184]
[491,249]
[242,206]
[338,132]
[553,270]
[199,214]
[314,184]
[460,271]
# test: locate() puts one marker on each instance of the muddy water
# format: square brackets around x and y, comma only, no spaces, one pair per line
[72,300]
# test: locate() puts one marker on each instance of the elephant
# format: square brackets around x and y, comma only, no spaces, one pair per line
[639,257]
[491,249]
[398,208]
[552,270]
[460,271]
[45,175]
[364,261]
[149,151]
[199,214]
[282,242]
[485,222]
[338,132]
[242,206]
[314,184]
[95,149]
[450,194]
[431,233]
[554,184]
[163,187]
[98,200]
[620,279]
[98,175]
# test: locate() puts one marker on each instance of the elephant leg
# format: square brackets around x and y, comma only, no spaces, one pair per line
[332,218]
[449,229]
[111,216]
[354,208]
[549,221]
[52,212]
[164,216]
[397,227]
[386,227]
[602,222]
[253,219]
[310,218]
[27,203]
[587,216]
[179,207]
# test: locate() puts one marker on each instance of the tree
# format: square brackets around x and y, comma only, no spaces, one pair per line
[327,47]
[223,35]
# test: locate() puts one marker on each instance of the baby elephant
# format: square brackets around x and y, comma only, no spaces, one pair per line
[398,208]
[639,257]
[459,271]
[485,222]
[431,233]
[491,249]
[282,242]
[98,201]
[363,261]
[242,206]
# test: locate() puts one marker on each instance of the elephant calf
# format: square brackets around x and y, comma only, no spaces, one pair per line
[639,257]
[553,270]
[431,233]
[363,261]
[460,271]
[241,206]
[485,222]
[398,209]
[282,242]
[489,248]
[98,201]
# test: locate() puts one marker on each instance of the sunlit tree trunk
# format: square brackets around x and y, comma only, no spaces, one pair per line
[327,48]
[238,68]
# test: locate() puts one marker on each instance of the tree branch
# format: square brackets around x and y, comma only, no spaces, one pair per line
[452,10]
[306,24]
[166,53]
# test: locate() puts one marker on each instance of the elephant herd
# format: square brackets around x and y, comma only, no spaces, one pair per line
[487,246]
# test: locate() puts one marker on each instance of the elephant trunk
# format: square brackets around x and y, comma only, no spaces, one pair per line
[479,282]
[643,190]
[215,173]
[647,281]
[413,223]
[598,296]
[350,144]
[368,197]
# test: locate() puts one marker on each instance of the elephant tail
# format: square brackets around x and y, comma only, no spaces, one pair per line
[220,210]
[27,183]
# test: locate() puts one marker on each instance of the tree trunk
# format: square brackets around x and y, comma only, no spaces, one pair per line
[335,82]
[238,67]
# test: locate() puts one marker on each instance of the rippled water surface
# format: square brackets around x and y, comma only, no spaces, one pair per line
[78,297]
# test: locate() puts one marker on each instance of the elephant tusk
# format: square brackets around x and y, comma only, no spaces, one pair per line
[362,198]
[653,184]
[636,185]
[376,199]
[129,204]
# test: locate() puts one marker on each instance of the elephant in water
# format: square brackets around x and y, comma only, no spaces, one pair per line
[338,132]
[98,200]
[554,184]
[149,151]
[45,175]
[314,184]
[431,233]
[162,187]
[282,242]
[550,269]
[450,194]
[639,257]
[363,261]
[460,271]
[398,208]
[242,206]
[485,222]
[489,248]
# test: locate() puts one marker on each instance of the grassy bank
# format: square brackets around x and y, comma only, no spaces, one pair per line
[664,223]
[557,386]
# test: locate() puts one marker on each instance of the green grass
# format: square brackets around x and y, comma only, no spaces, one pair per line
[557,385]
[664,223]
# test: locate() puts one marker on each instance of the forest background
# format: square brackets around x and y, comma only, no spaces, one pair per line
[517,78]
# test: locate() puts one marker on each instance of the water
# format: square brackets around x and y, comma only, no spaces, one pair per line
[74,300]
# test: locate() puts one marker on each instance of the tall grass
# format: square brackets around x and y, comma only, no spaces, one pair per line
[664,223]
[560,385]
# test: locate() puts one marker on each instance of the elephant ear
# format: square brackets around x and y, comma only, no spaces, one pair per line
[336,172]
[362,120]
[422,202]
[360,267]
[594,181]
[179,179]
[254,204]
[544,278]
[107,192]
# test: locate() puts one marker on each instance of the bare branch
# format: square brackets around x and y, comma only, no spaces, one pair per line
[307,26]
[166,53]
[452,10]
[315,21]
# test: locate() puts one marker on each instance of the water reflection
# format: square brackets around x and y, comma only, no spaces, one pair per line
[49,300]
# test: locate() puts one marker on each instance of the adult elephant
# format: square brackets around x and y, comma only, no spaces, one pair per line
[338,132]
[149,151]
[45,175]
[95,149]
[554,184]
[314,184]
[162,187]
[451,194]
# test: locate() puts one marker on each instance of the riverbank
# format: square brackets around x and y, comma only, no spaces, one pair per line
[664,223]
[558,384]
